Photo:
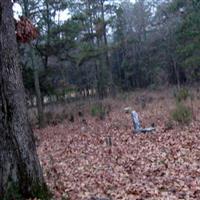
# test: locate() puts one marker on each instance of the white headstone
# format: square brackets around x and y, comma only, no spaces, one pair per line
[136,121]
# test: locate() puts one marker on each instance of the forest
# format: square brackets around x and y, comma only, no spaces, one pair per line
[105,47]
[99,99]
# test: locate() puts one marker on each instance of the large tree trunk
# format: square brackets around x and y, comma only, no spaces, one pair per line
[19,164]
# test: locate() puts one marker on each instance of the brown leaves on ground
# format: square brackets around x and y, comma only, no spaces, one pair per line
[105,160]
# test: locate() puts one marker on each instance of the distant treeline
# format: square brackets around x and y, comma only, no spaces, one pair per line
[109,46]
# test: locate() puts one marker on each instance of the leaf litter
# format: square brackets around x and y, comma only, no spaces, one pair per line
[103,159]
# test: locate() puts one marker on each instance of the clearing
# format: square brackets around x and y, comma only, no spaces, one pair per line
[103,159]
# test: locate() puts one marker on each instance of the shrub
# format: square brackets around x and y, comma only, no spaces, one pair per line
[124,96]
[182,94]
[12,192]
[98,110]
[153,86]
[182,114]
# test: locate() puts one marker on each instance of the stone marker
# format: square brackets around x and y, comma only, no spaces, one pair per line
[127,110]
[137,125]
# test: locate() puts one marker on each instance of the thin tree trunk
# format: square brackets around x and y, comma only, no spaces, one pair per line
[37,89]
[48,21]
[19,164]
[36,75]
[26,10]
[112,86]
[176,73]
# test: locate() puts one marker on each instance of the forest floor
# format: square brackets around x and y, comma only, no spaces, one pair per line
[95,159]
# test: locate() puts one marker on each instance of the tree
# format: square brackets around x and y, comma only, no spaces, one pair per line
[41,118]
[188,36]
[95,18]
[20,170]
[133,33]
[108,44]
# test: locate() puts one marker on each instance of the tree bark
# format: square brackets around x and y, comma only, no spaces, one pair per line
[37,89]
[19,164]
[108,63]
[176,73]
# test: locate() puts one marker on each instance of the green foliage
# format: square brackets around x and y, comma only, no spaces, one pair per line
[176,5]
[132,55]
[182,114]
[124,96]
[182,95]
[153,86]
[41,192]
[87,52]
[12,192]
[188,36]
[98,110]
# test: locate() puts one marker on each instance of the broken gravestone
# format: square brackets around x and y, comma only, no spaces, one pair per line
[137,125]
[127,110]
